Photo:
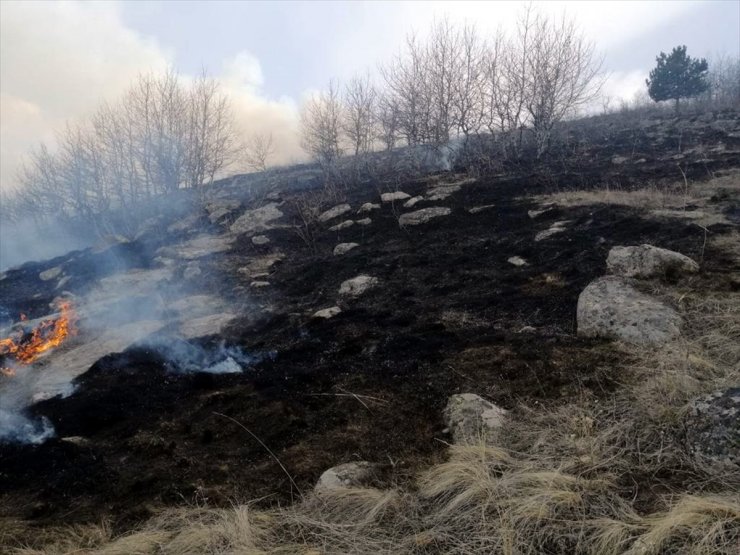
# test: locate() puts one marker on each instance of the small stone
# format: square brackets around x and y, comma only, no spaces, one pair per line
[259,284]
[477,209]
[327,313]
[364,221]
[713,426]
[368,207]
[334,212]
[354,474]
[423,215]
[344,225]
[344,248]
[191,271]
[260,240]
[391,197]
[51,273]
[358,285]
[537,213]
[618,160]
[470,418]
[557,227]
[517,261]
[412,201]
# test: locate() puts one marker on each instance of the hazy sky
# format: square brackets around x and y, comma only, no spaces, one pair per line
[59,60]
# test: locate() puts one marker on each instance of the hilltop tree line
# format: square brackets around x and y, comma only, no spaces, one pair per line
[457,84]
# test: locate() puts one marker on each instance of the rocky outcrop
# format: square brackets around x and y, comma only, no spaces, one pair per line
[358,285]
[611,307]
[424,215]
[470,418]
[647,261]
[334,212]
[713,426]
[344,248]
[348,475]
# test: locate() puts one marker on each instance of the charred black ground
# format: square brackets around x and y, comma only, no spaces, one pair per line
[450,315]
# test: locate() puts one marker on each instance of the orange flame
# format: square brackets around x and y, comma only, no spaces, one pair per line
[26,348]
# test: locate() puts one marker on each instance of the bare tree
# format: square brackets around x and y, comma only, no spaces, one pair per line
[321,120]
[259,148]
[562,73]
[161,136]
[388,121]
[359,113]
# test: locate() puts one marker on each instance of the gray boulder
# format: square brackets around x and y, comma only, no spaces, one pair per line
[611,307]
[357,285]
[260,240]
[713,426]
[646,261]
[348,475]
[424,215]
[470,418]
[364,221]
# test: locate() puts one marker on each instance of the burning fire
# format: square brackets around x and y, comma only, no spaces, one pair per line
[25,346]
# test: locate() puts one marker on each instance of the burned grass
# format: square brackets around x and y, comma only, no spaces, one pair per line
[450,315]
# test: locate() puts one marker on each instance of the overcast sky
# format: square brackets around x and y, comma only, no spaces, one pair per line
[59,60]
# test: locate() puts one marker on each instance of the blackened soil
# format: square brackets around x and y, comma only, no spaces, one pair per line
[450,315]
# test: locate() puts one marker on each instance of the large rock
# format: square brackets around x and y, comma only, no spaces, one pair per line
[348,475]
[259,219]
[713,426]
[357,285]
[610,307]
[646,261]
[470,418]
[424,215]
[334,212]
